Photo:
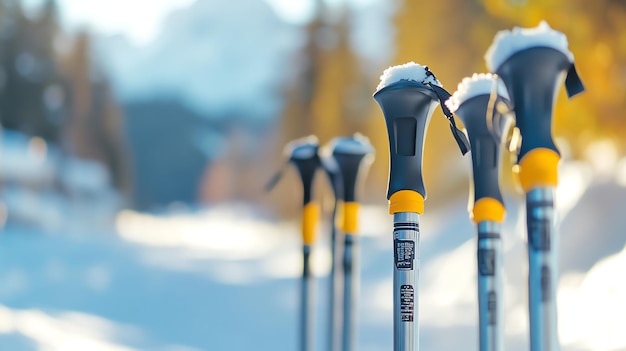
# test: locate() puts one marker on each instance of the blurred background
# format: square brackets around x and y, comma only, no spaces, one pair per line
[137,136]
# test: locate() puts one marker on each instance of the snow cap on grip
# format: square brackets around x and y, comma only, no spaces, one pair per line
[478,84]
[413,72]
[410,71]
[507,43]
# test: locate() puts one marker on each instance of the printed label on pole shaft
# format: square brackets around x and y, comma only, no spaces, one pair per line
[492,308]
[487,262]
[404,254]
[539,234]
[407,299]
[546,284]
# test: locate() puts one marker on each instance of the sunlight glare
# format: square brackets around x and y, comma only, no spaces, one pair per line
[218,233]
[71,331]
[140,20]
[294,11]
[591,310]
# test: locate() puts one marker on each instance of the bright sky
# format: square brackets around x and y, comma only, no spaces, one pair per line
[140,19]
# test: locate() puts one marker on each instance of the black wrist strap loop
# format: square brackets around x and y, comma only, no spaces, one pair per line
[276,177]
[458,135]
[573,84]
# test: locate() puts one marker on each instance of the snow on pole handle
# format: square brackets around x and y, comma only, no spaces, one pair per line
[304,155]
[407,95]
[412,71]
[533,62]
[471,102]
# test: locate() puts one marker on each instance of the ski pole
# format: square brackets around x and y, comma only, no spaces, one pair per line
[472,103]
[336,248]
[532,62]
[303,154]
[408,95]
[353,155]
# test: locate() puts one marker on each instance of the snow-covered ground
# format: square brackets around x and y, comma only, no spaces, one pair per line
[43,187]
[226,279]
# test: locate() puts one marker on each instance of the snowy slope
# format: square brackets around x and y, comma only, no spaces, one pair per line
[45,188]
[226,279]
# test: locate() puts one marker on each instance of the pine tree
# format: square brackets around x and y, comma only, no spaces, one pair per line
[94,125]
[328,98]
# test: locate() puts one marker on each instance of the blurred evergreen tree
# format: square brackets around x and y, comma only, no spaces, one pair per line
[29,69]
[325,97]
[330,95]
[94,127]
[59,96]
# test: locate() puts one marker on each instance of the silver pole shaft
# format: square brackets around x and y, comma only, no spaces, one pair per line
[542,269]
[350,286]
[336,288]
[405,278]
[306,313]
[490,299]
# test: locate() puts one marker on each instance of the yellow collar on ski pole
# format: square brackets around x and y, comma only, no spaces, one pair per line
[538,169]
[406,201]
